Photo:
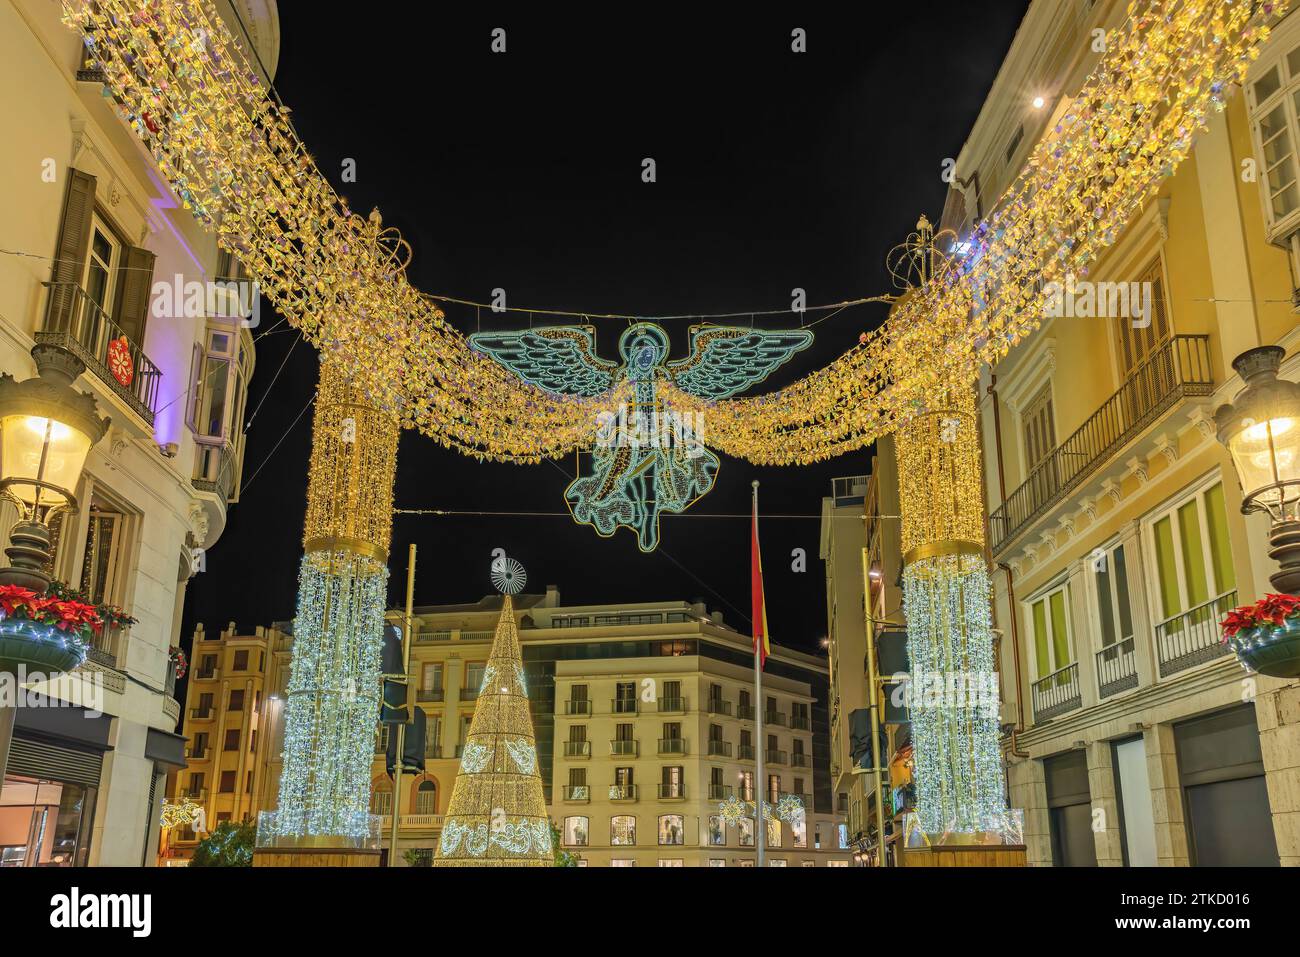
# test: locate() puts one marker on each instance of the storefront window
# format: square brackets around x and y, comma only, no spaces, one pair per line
[45,823]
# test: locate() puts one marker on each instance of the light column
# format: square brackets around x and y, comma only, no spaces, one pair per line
[334,684]
[954,697]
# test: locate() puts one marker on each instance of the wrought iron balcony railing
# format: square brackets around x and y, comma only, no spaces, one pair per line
[776,718]
[623,746]
[672,705]
[1193,637]
[675,791]
[773,756]
[718,706]
[1177,369]
[720,748]
[672,745]
[1057,693]
[75,322]
[719,792]
[1116,669]
[106,646]
[745,752]
[577,749]
[576,706]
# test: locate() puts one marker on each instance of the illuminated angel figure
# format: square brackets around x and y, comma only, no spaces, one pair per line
[648,459]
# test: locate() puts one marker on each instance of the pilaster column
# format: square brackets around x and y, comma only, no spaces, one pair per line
[1166,797]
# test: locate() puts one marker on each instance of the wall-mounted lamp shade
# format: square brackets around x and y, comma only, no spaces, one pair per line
[40,450]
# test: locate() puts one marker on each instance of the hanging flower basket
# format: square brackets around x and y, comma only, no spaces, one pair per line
[1265,636]
[44,633]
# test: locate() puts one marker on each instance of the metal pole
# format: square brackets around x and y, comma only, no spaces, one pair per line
[760,785]
[873,690]
[7,717]
[401,728]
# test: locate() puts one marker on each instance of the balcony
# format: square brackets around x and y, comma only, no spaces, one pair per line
[74,321]
[477,635]
[672,792]
[427,637]
[623,746]
[470,694]
[799,759]
[622,792]
[577,749]
[1193,637]
[206,674]
[577,793]
[773,756]
[800,723]
[1116,669]
[577,707]
[720,749]
[774,718]
[718,706]
[410,822]
[106,646]
[203,713]
[672,705]
[672,745]
[197,754]
[849,490]
[216,469]
[720,792]
[745,712]
[745,752]
[1176,370]
[430,694]
[625,706]
[196,794]
[1057,693]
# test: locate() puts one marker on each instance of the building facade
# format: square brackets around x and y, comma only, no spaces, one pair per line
[103,261]
[230,723]
[644,716]
[1115,529]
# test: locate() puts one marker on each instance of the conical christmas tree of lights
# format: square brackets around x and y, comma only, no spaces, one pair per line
[497,816]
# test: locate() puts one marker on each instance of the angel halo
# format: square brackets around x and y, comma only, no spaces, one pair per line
[648,458]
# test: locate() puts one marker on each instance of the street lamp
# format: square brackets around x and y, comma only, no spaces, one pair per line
[1261,430]
[46,431]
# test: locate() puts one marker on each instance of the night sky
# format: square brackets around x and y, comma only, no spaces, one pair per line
[522,171]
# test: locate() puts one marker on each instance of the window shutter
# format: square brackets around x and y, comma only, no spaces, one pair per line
[73,245]
[134,283]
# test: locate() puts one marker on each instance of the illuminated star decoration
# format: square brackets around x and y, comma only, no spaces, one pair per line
[649,458]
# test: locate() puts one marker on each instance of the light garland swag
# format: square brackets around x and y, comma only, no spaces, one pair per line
[232,156]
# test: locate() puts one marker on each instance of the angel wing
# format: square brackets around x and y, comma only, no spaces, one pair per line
[558,358]
[725,360]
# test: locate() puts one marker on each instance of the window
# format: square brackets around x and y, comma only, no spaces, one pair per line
[575,831]
[102,573]
[207,666]
[717,862]
[672,862]
[746,828]
[622,830]
[248,783]
[432,677]
[1114,613]
[671,699]
[671,830]
[747,785]
[196,784]
[625,698]
[1012,145]
[46,823]
[717,831]
[774,787]
[672,783]
[1139,342]
[799,828]
[228,782]
[1274,99]
[236,700]
[216,398]
[381,800]
[426,798]
[232,740]
[102,264]
[1193,557]
[622,862]
[241,661]
[474,676]
[1050,626]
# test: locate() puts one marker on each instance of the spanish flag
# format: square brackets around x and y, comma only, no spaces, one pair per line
[762,646]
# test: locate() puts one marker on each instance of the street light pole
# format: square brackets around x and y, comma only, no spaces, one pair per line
[401,728]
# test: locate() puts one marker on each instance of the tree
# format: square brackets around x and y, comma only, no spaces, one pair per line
[563,858]
[230,845]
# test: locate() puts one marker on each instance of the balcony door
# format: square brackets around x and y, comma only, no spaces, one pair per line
[1146,367]
[1040,441]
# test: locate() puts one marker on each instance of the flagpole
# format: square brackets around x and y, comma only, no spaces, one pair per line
[760,785]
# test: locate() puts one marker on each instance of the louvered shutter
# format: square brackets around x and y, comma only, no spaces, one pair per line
[72,247]
[134,284]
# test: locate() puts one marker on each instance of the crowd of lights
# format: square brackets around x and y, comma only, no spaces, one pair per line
[232,156]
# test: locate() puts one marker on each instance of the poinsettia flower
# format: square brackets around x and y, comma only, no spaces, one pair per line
[12,597]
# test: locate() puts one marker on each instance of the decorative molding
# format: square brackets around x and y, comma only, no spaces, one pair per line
[1138,469]
[1162,218]
[1112,488]
[198,519]
[1048,540]
[1066,522]
[1202,421]
[1167,447]
[1088,506]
